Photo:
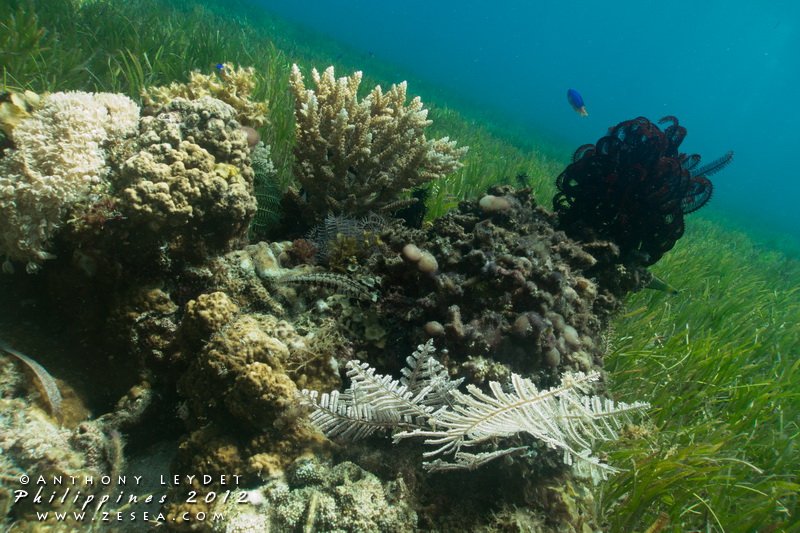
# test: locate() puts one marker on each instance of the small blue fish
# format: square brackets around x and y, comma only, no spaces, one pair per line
[220,66]
[576,101]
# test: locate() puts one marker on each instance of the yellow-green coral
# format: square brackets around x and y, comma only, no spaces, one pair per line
[359,155]
[208,313]
[232,85]
[17,107]
[242,362]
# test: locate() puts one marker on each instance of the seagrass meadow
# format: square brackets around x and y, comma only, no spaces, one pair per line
[717,358]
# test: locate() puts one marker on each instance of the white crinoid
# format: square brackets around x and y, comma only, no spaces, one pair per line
[426,403]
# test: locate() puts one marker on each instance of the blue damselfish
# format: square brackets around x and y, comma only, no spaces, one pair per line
[576,101]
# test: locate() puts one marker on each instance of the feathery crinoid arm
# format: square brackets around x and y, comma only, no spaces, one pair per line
[422,370]
[562,417]
[426,403]
[374,402]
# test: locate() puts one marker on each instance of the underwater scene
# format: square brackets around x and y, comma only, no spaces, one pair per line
[367,267]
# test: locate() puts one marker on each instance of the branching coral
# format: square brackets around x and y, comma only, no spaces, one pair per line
[356,155]
[58,159]
[232,85]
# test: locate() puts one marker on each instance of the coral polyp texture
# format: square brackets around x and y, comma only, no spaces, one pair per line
[355,155]
[634,187]
[191,175]
[59,157]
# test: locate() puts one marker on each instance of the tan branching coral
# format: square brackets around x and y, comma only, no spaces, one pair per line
[232,85]
[59,158]
[358,155]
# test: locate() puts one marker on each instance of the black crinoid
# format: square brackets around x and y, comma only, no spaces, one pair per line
[633,187]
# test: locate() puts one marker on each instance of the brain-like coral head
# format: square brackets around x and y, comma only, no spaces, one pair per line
[191,181]
[634,187]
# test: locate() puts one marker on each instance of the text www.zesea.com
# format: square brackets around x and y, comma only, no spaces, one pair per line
[80,516]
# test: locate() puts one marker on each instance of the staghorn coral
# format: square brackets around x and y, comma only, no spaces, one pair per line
[192,177]
[59,159]
[234,86]
[356,155]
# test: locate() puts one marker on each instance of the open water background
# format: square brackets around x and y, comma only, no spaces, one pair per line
[729,70]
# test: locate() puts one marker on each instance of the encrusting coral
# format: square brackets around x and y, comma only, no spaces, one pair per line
[354,156]
[191,177]
[315,496]
[59,157]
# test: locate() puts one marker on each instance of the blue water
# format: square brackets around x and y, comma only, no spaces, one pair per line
[727,69]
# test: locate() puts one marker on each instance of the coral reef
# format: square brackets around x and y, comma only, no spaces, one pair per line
[242,360]
[218,336]
[506,286]
[190,183]
[59,158]
[354,156]
[34,445]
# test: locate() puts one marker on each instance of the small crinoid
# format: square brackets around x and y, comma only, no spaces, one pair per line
[633,187]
